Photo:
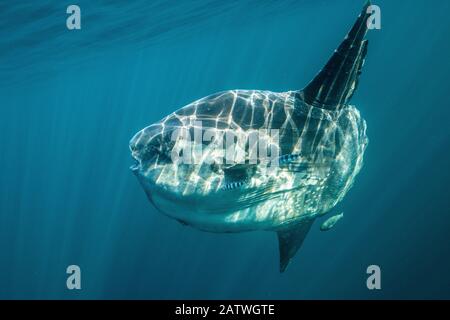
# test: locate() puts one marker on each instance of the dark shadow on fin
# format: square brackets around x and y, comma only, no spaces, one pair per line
[335,84]
[290,240]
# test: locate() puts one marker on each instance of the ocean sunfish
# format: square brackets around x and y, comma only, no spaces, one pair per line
[316,140]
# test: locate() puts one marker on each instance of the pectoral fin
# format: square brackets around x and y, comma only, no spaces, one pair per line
[290,240]
[236,176]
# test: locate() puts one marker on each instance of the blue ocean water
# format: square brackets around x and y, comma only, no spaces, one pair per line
[71,100]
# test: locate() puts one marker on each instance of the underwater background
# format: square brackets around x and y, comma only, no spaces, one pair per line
[71,100]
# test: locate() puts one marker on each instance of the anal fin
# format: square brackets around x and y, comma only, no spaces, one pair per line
[290,239]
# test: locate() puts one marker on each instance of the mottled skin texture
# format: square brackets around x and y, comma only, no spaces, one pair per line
[328,145]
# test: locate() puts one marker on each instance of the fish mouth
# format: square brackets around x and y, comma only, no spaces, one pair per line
[135,166]
[134,153]
[137,162]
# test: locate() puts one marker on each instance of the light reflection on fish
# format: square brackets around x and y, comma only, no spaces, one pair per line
[321,143]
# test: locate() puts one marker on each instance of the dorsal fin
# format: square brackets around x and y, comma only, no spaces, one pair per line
[335,84]
[290,239]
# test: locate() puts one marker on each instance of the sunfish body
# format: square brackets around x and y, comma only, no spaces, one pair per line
[319,148]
